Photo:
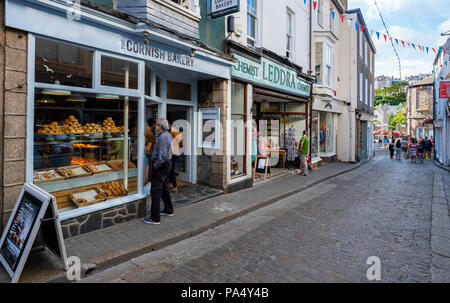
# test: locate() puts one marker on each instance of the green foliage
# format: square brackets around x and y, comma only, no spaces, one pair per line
[391,99]
[397,119]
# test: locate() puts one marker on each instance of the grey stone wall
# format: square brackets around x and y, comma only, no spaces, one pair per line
[13,111]
[161,14]
[211,168]
[104,219]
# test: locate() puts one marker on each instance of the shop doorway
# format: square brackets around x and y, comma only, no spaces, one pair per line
[179,117]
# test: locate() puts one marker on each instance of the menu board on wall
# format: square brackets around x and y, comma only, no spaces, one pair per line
[35,210]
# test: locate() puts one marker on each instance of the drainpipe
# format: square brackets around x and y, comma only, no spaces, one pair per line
[434,118]
[350,106]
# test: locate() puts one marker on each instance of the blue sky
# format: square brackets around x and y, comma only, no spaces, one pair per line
[417,21]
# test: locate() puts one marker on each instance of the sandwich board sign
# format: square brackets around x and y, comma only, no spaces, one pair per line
[35,212]
[262,166]
[220,8]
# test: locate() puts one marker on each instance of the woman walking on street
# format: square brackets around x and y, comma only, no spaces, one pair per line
[398,148]
[413,150]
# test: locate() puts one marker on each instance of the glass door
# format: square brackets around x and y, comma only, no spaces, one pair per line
[179,118]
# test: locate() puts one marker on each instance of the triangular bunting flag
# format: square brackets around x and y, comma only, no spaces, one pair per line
[427,50]
[396,41]
[362,27]
[371,32]
[385,37]
[403,42]
[378,34]
[332,13]
[342,18]
[409,45]
[356,25]
[304,1]
[434,50]
[314,4]
[413,45]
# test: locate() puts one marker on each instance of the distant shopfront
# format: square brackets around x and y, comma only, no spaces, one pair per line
[275,100]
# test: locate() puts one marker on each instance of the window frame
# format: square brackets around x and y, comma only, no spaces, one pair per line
[254,15]
[290,26]
[215,113]
[96,89]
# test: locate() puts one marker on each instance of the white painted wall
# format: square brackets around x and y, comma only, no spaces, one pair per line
[271,28]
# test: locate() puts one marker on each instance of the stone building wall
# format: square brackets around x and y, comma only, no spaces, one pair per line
[212,169]
[13,99]
[104,219]
[420,105]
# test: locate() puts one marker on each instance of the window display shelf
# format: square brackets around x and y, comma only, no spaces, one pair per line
[74,183]
[86,140]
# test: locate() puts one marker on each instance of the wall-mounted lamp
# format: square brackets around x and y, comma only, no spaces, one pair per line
[193,52]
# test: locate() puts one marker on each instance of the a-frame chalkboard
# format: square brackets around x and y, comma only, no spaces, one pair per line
[34,211]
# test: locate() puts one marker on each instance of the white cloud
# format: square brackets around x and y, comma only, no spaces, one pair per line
[443,27]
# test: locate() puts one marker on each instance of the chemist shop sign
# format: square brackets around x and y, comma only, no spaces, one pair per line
[270,74]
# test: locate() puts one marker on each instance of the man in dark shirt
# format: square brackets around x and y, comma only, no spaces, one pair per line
[161,161]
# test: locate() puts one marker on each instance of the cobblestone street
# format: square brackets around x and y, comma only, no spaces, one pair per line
[323,234]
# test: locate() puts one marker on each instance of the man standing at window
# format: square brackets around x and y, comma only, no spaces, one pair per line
[161,161]
[304,149]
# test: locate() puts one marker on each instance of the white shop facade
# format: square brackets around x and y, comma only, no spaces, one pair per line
[92,85]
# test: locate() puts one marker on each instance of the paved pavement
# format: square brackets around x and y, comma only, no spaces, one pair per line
[101,249]
[394,210]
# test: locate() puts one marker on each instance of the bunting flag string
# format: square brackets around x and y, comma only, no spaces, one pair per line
[373,32]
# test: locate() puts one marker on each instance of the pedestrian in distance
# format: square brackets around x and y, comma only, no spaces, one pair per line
[421,150]
[391,148]
[304,148]
[161,161]
[405,147]
[428,148]
[398,148]
[386,142]
[413,150]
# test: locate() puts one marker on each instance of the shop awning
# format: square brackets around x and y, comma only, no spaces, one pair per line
[261,95]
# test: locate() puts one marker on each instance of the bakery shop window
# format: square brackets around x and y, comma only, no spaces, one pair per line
[178,91]
[81,147]
[114,73]
[64,64]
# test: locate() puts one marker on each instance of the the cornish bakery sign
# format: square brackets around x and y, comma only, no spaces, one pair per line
[270,74]
[154,53]
[219,8]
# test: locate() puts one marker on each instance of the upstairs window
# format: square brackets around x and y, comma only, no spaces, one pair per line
[252,22]
[289,35]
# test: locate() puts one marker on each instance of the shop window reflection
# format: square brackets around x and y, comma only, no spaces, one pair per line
[62,63]
[79,150]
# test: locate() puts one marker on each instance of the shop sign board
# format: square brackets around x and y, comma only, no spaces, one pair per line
[262,166]
[35,212]
[220,8]
[270,74]
[444,89]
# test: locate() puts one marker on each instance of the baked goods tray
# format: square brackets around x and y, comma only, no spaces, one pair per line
[76,171]
[56,175]
[87,197]
[118,164]
[110,187]
[99,168]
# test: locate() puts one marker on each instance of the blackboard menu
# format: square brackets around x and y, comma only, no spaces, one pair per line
[20,229]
